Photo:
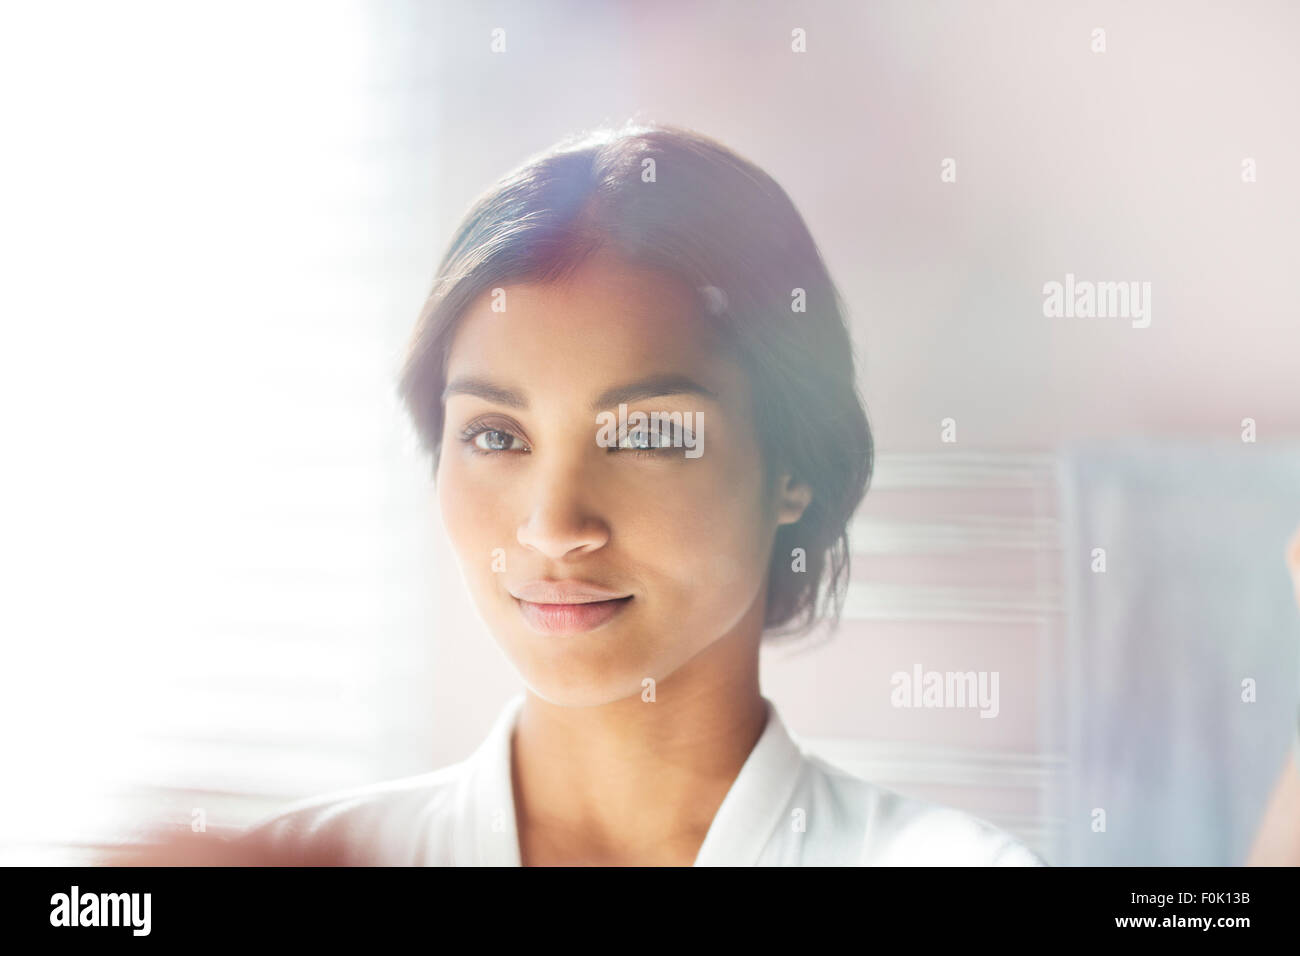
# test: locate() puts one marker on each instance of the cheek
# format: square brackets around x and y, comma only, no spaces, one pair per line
[708,539]
[472,516]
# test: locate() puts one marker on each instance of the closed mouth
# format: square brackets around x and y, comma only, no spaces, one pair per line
[570,618]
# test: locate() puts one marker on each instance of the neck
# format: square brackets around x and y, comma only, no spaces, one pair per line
[636,778]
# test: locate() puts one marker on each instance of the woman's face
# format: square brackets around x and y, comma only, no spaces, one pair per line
[531,490]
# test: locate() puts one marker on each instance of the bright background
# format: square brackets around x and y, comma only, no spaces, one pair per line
[224,580]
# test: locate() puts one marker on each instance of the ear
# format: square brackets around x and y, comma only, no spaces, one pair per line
[792,498]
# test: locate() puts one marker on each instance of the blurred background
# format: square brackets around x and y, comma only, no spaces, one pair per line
[225,585]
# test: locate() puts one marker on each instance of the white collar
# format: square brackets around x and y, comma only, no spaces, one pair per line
[750,813]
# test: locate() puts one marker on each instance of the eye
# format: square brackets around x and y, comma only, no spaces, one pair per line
[645,439]
[651,441]
[484,439]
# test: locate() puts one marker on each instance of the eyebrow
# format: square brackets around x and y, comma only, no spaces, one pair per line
[652,387]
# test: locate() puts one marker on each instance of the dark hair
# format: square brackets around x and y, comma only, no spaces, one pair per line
[670,199]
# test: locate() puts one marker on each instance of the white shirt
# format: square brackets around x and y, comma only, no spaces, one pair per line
[785,808]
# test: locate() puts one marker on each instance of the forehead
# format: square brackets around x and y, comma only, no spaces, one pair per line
[605,324]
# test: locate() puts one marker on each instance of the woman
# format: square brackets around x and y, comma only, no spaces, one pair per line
[637,385]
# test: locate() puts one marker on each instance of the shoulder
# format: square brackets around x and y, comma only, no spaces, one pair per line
[407,821]
[897,830]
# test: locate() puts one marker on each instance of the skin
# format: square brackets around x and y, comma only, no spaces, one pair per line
[602,776]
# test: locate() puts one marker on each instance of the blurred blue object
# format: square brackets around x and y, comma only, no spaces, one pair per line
[1195,601]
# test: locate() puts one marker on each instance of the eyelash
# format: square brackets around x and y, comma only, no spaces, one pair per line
[474,429]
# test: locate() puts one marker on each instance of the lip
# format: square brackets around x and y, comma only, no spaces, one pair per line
[567,607]
[565,592]
[570,618]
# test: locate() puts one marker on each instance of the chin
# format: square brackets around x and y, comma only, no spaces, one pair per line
[581,670]
[567,694]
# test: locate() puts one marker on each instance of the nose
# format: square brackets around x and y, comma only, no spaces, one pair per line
[561,523]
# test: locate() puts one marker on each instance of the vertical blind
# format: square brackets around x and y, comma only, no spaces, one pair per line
[217,519]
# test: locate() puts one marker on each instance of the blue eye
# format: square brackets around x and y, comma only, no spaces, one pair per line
[643,439]
[650,441]
[496,441]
